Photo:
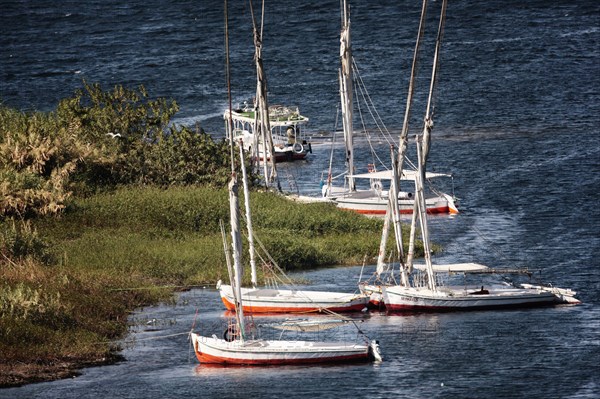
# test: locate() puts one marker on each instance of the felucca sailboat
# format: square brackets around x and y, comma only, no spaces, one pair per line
[374,200]
[276,300]
[273,299]
[423,289]
[240,343]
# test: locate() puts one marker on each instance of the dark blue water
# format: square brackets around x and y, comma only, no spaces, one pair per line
[517,122]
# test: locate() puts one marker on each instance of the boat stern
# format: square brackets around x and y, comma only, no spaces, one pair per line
[452,205]
[375,351]
[562,295]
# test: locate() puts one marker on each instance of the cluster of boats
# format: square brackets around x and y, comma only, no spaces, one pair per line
[398,285]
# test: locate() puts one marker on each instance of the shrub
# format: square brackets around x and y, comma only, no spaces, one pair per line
[20,241]
[96,140]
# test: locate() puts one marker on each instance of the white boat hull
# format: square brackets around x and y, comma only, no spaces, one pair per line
[399,298]
[266,300]
[369,203]
[213,350]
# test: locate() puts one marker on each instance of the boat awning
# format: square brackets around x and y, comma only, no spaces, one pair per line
[406,175]
[455,268]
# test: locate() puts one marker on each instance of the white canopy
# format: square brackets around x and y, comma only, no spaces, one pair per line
[455,267]
[406,175]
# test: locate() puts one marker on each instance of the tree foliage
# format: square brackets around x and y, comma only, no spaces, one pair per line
[38,155]
[97,139]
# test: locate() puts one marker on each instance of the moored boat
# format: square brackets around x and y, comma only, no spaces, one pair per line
[258,352]
[422,296]
[372,200]
[290,142]
[420,287]
[275,300]
[399,298]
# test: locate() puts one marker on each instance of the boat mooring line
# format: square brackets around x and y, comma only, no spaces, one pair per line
[162,286]
[149,338]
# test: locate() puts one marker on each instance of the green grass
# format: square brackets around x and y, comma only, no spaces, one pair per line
[172,236]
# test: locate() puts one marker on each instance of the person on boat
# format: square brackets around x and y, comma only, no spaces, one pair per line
[230,333]
[291,135]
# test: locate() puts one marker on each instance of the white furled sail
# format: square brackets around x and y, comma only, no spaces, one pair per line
[261,106]
[251,250]
[234,214]
[345,77]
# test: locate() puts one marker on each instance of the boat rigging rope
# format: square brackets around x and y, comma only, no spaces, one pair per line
[332,313]
[359,86]
[284,278]
[367,134]
[371,105]
[337,115]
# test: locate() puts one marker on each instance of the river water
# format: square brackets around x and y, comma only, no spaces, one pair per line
[517,123]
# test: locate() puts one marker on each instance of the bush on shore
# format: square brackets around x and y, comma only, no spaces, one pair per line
[99,140]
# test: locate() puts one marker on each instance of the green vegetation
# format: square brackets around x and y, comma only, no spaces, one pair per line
[97,140]
[94,225]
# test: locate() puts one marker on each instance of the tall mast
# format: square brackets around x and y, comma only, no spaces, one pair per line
[345,77]
[395,207]
[229,125]
[234,213]
[411,86]
[406,264]
[404,134]
[261,115]
[248,219]
[429,113]
[234,208]
[428,124]
[420,200]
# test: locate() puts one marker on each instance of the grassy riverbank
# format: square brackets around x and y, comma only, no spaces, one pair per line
[111,253]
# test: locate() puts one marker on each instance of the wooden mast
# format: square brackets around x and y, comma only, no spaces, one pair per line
[345,78]
[261,115]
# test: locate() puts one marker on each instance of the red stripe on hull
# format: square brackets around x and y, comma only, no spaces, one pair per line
[415,308]
[432,211]
[204,358]
[379,305]
[281,309]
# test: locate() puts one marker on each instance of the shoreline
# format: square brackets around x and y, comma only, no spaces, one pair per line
[18,374]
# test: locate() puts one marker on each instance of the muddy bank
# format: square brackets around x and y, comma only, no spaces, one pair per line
[19,373]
